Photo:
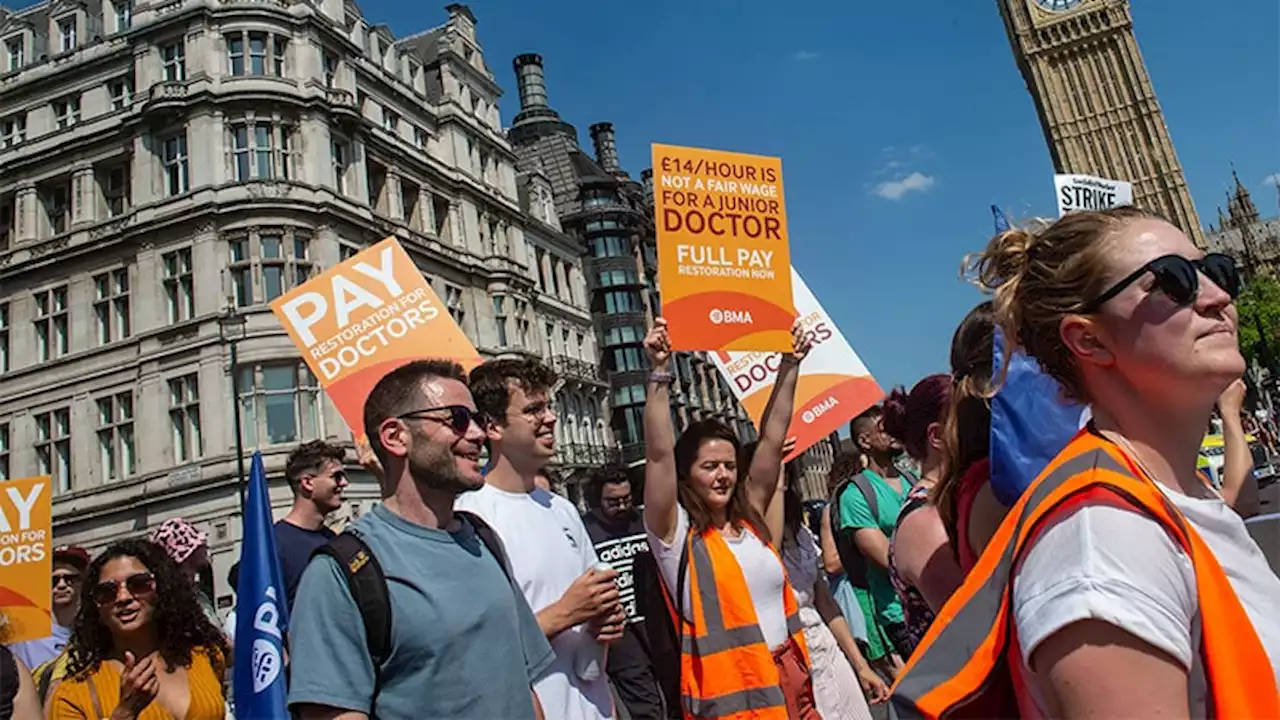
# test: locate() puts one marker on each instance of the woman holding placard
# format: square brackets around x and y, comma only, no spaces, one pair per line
[742,642]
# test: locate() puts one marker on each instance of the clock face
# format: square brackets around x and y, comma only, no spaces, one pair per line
[1058,5]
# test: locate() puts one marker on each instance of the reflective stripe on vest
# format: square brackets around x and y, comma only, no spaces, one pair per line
[727,670]
[965,661]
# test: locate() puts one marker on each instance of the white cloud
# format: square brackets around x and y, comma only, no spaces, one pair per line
[890,167]
[803,55]
[896,189]
[1273,179]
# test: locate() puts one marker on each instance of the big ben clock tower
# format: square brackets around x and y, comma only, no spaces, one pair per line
[1100,116]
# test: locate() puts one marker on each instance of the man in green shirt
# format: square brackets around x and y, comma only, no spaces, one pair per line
[886,626]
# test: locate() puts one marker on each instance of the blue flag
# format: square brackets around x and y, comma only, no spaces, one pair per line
[1002,222]
[1030,422]
[262,615]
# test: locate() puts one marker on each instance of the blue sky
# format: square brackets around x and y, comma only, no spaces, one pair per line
[855,94]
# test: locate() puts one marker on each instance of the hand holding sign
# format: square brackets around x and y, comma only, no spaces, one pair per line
[367,458]
[657,344]
[801,340]
[833,386]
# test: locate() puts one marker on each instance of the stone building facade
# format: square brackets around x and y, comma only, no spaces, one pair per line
[169,167]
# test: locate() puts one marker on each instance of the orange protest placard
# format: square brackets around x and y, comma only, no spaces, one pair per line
[363,319]
[723,259]
[26,559]
[834,385]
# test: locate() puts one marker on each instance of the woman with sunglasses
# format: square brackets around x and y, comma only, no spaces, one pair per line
[141,648]
[1135,591]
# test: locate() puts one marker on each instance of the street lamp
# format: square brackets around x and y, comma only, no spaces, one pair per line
[229,320]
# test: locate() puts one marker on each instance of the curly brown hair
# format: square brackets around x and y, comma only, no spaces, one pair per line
[181,623]
[310,458]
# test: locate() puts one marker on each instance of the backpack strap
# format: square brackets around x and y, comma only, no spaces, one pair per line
[44,675]
[94,699]
[851,557]
[863,483]
[368,586]
[489,537]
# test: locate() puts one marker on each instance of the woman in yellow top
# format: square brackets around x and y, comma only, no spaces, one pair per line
[141,648]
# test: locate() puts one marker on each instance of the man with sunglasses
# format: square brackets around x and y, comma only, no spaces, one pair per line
[462,641]
[617,531]
[317,476]
[69,564]
[552,557]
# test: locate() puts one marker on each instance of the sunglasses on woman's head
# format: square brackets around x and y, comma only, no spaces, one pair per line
[106,592]
[1179,278]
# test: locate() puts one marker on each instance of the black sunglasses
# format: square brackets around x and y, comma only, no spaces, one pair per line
[460,417]
[1179,278]
[106,592]
[71,579]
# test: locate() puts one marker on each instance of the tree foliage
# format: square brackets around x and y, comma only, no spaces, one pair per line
[1259,307]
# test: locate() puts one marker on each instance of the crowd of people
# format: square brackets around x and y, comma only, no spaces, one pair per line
[1120,582]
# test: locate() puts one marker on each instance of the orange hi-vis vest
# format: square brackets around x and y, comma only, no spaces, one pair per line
[726,669]
[969,663]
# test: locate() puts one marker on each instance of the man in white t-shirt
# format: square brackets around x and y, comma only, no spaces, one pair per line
[552,557]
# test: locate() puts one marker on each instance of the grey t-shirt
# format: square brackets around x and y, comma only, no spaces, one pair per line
[464,643]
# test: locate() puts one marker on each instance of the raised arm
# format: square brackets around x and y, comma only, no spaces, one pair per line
[775,518]
[762,475]
[1239,489]
[660,501]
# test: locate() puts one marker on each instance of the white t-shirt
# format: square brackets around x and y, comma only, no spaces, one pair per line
[760,566]
[548,549]
[1123,568]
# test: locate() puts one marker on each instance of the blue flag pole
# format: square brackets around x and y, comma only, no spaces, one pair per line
[262,615]
[1030,421]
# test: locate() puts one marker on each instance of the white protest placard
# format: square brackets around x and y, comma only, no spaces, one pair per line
[834,385]
[1086,192]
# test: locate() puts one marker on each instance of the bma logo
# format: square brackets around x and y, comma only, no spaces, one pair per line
[730,317]
[819,410]
[266,654]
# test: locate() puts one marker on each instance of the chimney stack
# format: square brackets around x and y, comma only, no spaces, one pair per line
[606,146]
[531,81]
[536,119]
